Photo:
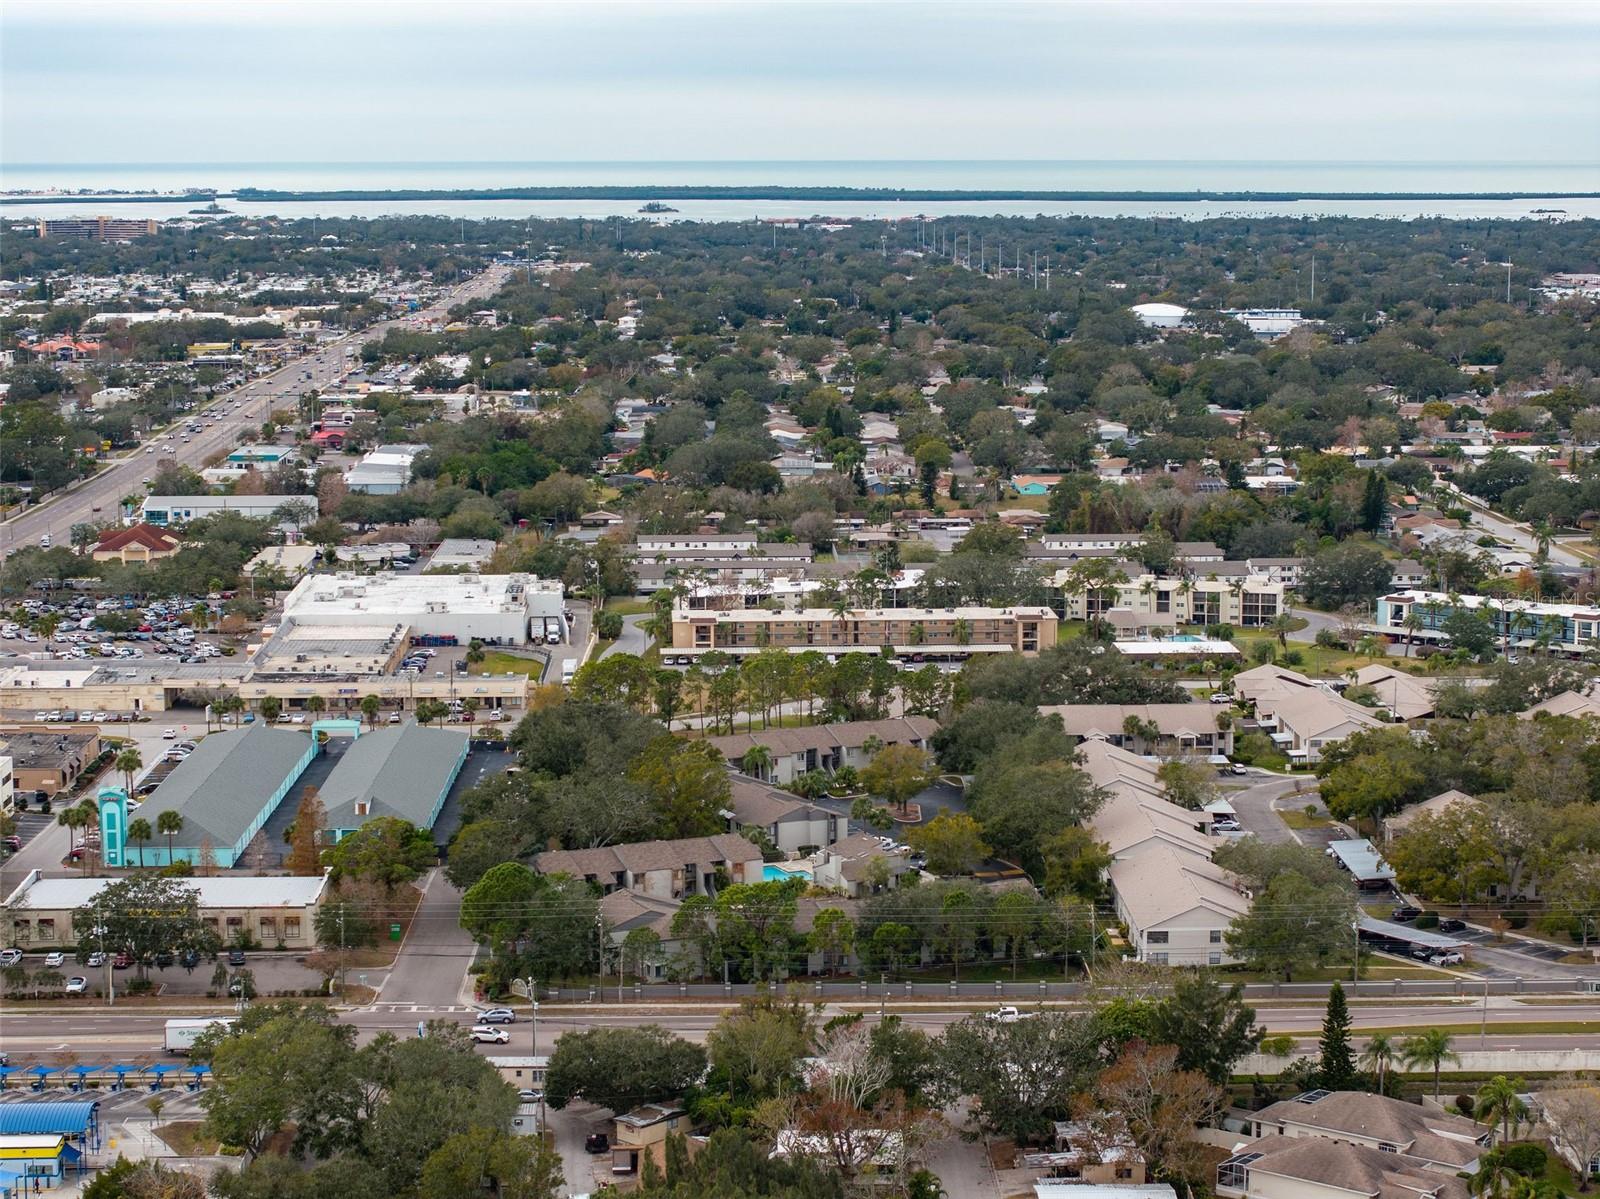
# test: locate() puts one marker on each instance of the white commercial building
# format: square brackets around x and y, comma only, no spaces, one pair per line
[1160,316]
[1267,323]
[384,471]
[179,509]
[496,609]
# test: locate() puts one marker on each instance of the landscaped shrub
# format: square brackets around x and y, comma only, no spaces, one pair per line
[1527,1160]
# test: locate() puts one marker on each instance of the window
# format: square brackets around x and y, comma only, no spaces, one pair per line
[1388,1147]
[291,928]
[1158,959]
[1158,937]
[46,929]
[1214,959]
[269,928]
[1216,936]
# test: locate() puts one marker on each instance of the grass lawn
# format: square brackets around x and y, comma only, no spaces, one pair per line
[187,1138]
[1296,818]
[629,607]
[494,663]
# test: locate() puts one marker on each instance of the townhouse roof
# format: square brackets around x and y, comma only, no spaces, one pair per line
[147,535]
[641,857]
[1421,1132]
[1408,698]
[1358,1169]
[1099,721]
[1162,883]
[1119,770]
[1568,703]
[1438,803]
[1129,821]
[755,803]
[852,734]
[1314,713]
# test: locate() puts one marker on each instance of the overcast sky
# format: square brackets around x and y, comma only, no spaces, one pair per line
[468,80]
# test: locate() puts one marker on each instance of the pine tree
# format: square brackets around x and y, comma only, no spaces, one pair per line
[1374,502]
[1337,1071]
[305,845]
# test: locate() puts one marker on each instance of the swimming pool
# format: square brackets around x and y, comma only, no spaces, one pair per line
[777,874]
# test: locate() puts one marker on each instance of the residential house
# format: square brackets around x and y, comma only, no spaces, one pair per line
[1196,729]
[1444,1143]
[1443,802]
[1402,694]
[792,824]
[1244,600]
[660,869]
[1177,906]
[1568,703]
[953,632]
[1280,1167]
[825,747]
[1302,723]
[1571,628]
[644,1130]
[858,865]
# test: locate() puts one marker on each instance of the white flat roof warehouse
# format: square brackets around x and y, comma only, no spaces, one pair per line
[227,891]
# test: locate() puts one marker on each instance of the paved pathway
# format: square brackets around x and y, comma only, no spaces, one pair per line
[431,969]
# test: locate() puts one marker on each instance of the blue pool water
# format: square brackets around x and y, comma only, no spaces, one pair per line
[777,874]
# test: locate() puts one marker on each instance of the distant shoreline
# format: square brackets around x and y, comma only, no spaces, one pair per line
[659,192]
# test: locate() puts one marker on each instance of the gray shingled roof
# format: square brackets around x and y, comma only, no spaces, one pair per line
[401,770]
[220,789]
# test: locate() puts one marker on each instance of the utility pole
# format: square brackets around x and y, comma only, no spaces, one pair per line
[341,954]
[1508,283]
[600,948]
[1313,278]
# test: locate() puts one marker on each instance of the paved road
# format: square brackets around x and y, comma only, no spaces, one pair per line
[633,640]
[96,499]
[1255,802]
[431,970]
[1510,531]
[108,1032]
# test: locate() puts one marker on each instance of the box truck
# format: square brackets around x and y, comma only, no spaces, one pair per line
[182,1034]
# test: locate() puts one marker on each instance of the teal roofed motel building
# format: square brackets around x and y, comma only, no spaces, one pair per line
[233,782]
[1517,623]
[224,792]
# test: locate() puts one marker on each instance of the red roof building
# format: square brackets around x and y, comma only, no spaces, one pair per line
[136,543]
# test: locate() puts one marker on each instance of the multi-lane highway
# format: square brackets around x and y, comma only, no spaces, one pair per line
[96,499]
[131,1032]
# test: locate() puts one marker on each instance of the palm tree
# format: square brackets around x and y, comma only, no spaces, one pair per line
[271,708]
[1492,1176]
[316,705]
[1500,1102]
[71,819]
[1430,1048]
[1379,1054]
[1413,624]
[961,630]
[139,832]
[128,763]
[169,824]
[370,704]
[756,762]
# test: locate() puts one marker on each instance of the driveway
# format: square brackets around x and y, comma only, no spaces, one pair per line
[633,639]
[432,967]
[1255,802]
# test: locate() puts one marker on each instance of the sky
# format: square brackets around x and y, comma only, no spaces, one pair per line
[203,81]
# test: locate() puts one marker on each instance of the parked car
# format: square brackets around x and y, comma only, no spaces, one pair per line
[1451,925]
[489,1033]
[1225,826]
[1238,768]
[169,734]
[95,961]
[10,957]
[597,1142]
[497,1015]
[1405,913]
[164,959]
[189,959]
[121,962]
[1448,958]
[55,960]
[235,957]
[77,985]
[1003,1015]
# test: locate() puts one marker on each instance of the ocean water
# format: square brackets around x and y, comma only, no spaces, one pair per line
[1164,176]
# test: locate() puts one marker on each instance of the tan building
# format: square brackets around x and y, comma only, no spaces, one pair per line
[136,543]
[48,760]
[660,869]
[825,747]
[953,632]
[644,1130]
[1444,1143]
[1189,730]
[1281,1167]
[1153,602]
[277,911]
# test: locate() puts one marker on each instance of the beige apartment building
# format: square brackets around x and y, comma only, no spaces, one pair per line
[1246,601]
[956,632]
